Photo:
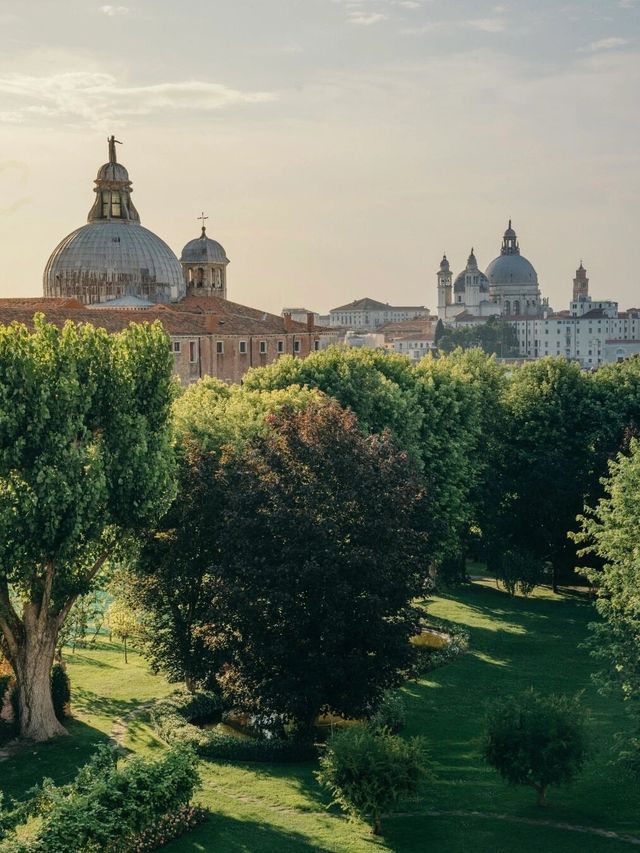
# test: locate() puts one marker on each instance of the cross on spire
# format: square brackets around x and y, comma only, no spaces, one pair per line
[202,219]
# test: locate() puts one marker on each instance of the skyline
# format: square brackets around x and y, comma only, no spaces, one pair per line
[338,148]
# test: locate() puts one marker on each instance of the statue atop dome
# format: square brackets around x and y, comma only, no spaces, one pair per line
[112,148]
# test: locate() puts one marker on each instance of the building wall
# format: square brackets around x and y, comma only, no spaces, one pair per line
[370,320]
[198,356]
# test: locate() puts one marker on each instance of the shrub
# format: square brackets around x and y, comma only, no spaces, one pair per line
[428,659]
[535,740]
[391,713]
[110,805]
[368,772]
[173,719]
[60,691]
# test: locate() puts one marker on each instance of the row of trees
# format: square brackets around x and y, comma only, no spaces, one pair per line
[312,503]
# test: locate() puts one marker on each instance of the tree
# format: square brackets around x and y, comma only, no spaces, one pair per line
[495,337]
[123,623]
[546,467]
[173,580]
[85,461]
[535,740]
[322,552]
[611,532]
[439,332]
[369,772]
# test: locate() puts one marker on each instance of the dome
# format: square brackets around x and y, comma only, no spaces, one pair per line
[203,250]
[112,259]
[472,269]
[444,264]
[113,256]
[511,269]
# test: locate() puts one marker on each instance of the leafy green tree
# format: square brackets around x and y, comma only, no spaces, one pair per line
[369,772]
[611,532]
[547,465]
[174,579]
[85,460]
[495,337]
[322,552]
[377,386]
[535,740]
[123,623]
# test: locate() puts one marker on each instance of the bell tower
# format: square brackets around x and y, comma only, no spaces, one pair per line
[581,285]
[204,265]
[444,287]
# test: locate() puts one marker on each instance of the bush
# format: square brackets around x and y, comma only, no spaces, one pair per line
[110,805]
[428,659]
[368,772]
[173,719]
[391,713]
[535,740]
[60,691]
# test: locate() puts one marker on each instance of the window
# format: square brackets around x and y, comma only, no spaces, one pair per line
[220,347]
[243,347]
[115,205]
[280,346]
[316,345]
[296,346]
[193,351]
[176,346]
[263,347]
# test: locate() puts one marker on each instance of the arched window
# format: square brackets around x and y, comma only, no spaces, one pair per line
[200,280]
[507,307]
[516,307]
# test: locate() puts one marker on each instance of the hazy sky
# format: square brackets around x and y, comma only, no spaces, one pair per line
[338,146]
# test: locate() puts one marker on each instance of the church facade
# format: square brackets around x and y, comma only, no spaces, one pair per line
[509,287]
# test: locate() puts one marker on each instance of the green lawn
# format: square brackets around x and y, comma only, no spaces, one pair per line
[514,643]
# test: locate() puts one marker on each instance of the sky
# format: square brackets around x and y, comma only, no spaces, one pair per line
[339,147]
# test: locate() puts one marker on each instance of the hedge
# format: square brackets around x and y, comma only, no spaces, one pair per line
[173,719]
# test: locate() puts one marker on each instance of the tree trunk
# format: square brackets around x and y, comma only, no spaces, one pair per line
[32,666]
[377,824]
[126,659]
[542,795]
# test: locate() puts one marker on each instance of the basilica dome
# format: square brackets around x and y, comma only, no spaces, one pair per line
[510,267]
[113,256]
[474,274]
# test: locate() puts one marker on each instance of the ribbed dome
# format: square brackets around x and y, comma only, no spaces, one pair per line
[113,172]
[511,269]
[459,284]
[204,250]
[115,252]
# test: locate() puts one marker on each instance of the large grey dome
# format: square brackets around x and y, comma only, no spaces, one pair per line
[106,260]
[203,250]
[511,269]
[113,256]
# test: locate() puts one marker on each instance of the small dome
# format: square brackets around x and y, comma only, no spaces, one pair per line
[512,269]
[115,172]
[444,264]
[203,250]
[459,284]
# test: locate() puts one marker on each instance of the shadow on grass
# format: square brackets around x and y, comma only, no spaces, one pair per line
[242,836]
[58,759]
[92,703]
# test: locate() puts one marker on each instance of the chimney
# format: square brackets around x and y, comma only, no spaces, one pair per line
[311,323]
[288,322]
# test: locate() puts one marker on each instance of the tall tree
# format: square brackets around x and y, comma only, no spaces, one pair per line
[322,552]
[85,459]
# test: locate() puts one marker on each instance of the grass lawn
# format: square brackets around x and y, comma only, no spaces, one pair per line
[515,643]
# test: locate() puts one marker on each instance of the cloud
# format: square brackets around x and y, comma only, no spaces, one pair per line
[486,25]
[365,19]
[114,11]
[606,44]
[94,97]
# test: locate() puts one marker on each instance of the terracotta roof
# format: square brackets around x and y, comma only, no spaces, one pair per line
[368,304]
[37,302]
[193,316]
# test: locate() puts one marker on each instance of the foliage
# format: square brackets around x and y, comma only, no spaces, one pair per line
[612,533]
[321,554]
[60,691]
[535,740]
[110,803]
[85,459]
[518,570]
[390,714]
[495,337]
[369,772]
[123,622]
[85,620]
[173,581]
[174,720]
[546,468]
[428,659]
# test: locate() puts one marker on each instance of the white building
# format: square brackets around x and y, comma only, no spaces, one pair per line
[368,314]
[592,332]
[416,346]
